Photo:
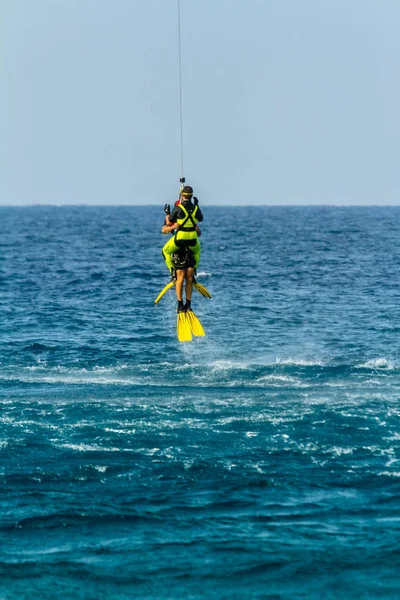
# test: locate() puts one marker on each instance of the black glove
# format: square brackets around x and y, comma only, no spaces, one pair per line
[167,209]
[195,201]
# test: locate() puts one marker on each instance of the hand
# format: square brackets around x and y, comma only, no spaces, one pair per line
[167,209]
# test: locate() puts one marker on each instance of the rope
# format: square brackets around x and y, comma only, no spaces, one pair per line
[180,83]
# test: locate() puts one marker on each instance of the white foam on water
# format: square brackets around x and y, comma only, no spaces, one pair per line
[206,373]
[100,468]
[378,363]
[62,375]
[123,431]
[147,451]
[92,448]
[29,422]
[391,461]
[309,448]
[227,365]
[339,451]
[300,362]
[258,469]
[377,451]
[279,381]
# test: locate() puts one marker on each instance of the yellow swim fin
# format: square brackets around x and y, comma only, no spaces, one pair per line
[195,325]
[183,328]
[161,294]
[201,289]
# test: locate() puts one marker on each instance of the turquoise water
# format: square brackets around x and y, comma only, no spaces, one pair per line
[262,461]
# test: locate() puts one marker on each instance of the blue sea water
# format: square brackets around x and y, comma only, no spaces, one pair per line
[262,461]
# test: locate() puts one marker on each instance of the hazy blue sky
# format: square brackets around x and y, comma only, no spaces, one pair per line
[285,101]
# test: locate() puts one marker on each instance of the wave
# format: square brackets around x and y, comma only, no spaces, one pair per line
[379,363]
[296,362]
[37,347]
[93,448]
[275,367]
[281,372]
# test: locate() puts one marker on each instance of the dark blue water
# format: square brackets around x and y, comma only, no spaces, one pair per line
[262,461]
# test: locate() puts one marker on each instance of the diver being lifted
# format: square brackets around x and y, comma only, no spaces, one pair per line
[182,255]
[185,215]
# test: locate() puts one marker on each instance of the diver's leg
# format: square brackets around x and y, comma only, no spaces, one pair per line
[196,254]
[189,284]
[180,278]
[169,248]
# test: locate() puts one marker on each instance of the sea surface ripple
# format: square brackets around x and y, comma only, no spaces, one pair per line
[262,461]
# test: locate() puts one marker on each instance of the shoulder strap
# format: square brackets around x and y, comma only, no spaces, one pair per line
[189,216]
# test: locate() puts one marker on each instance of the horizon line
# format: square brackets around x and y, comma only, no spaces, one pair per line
[85,205]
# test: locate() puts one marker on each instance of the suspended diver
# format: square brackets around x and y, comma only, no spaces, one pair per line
[182,252]
[182,255]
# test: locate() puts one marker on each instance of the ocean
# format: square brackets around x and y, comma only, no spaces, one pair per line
[262,461]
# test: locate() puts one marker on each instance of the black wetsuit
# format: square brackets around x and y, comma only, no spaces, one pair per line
[177,213]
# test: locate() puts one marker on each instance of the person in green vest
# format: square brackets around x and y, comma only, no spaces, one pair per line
[183,220]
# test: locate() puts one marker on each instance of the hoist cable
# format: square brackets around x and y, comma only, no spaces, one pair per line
[180,85]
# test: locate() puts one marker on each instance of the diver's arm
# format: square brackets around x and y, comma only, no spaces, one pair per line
[169,228]
[176,214]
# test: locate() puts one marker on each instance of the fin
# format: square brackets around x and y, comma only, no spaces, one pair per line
[161,294]
[183,328]
[195,325]
[201,289]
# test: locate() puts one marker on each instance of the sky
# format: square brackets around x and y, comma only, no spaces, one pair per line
[284,101]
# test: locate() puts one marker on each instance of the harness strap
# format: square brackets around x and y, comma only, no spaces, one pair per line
[184,243]
[188,218]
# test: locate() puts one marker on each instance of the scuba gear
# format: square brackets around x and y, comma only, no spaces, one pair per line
[182,253]
[163,291]
[189,216]
[185,215]
[183,259]
[201,289]
[172,248]
[183,327]
[186,234]
[187,323]
[198,286]
[195,325]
